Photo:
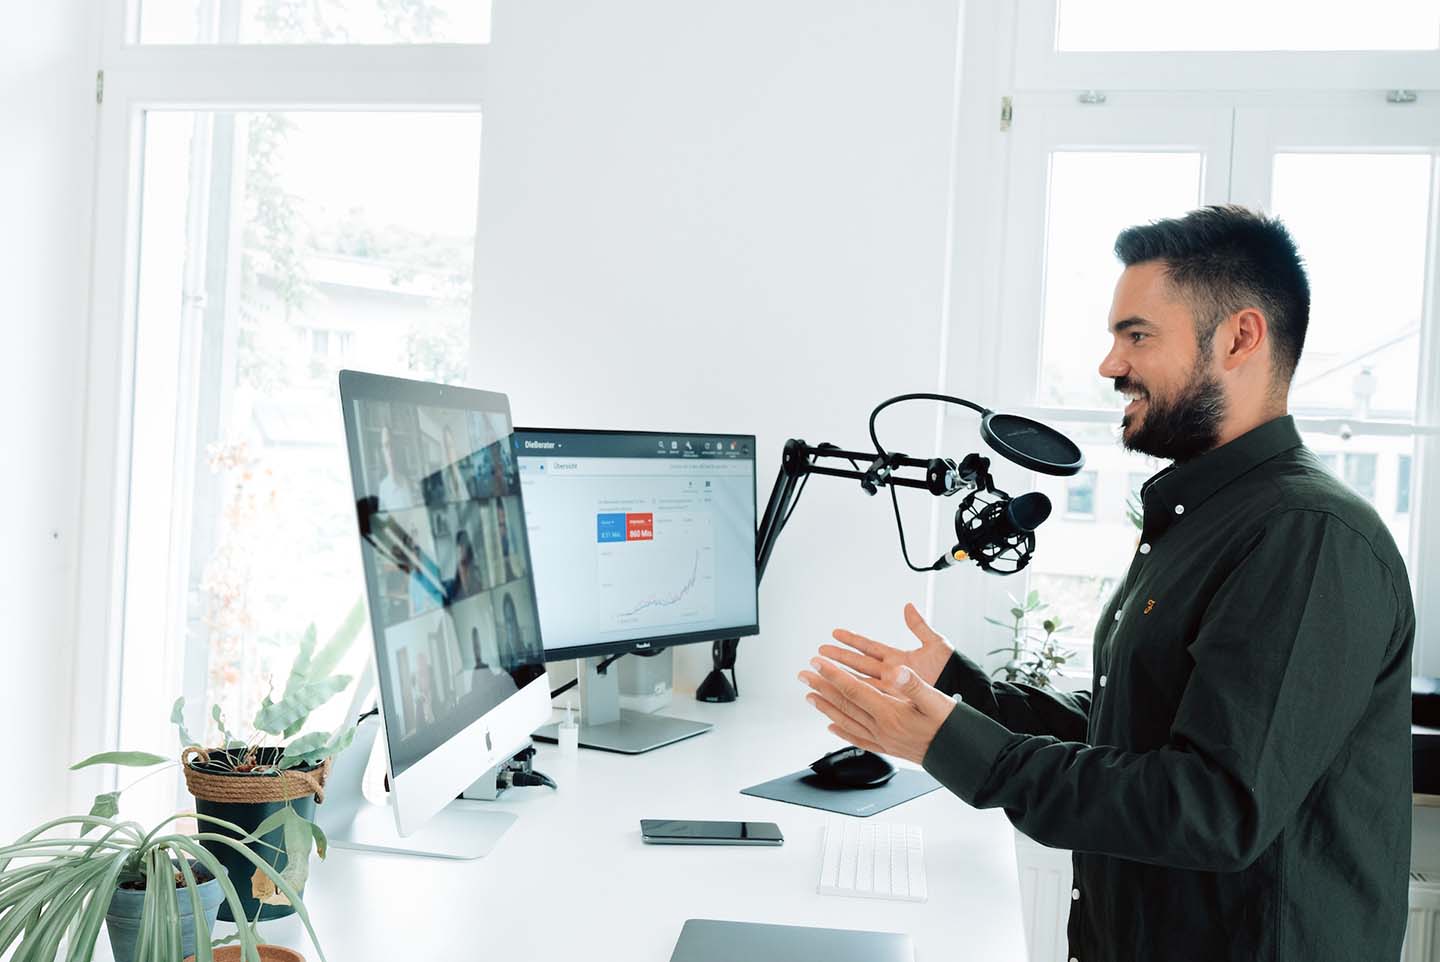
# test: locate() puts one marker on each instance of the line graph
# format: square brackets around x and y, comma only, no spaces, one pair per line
[667,601]
[668,579]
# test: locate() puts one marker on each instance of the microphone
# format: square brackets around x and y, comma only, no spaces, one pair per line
[996,531]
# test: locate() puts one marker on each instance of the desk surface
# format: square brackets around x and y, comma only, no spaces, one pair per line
[571,879]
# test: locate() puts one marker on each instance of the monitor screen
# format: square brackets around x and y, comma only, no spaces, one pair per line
[446,558]
[639,539]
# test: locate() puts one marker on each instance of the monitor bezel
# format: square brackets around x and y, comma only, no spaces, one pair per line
[428,783]
[657,644]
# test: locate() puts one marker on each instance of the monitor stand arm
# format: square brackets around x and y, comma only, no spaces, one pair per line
[608,727]
[797,462]
[461,830]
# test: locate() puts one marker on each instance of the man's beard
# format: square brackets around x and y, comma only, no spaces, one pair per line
[1181,427]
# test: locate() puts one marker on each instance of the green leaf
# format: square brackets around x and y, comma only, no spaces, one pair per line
[1033,598]
[228,738]
[322,844]
[292,710]
[306,744]
[329,657]
[300,667]
[303,752]
[1018,613]
[132,759]
[197,913]
[177,718]
[997,621]
[298,839]
[106,805]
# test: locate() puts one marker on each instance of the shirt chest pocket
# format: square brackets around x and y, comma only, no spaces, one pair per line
[1147,652]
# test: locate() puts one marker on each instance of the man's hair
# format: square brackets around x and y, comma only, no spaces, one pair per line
[1224,259]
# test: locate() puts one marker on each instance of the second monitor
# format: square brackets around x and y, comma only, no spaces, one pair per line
[639,541]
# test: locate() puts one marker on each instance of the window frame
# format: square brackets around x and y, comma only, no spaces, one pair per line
[135,79]
[1040,66]
[1024,76]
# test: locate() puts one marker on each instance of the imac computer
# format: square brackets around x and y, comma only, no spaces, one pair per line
[458,661]
[639,541]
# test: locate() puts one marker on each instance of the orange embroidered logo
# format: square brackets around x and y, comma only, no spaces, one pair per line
[1149,606]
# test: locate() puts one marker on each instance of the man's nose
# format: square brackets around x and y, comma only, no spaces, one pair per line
[1112,366]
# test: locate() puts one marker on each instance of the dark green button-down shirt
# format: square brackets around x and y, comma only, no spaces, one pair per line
[1237,784]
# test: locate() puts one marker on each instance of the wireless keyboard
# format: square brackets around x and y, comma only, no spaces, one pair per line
[873,860]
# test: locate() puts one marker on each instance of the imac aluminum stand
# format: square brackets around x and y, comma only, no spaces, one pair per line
[461,830]
[608,727]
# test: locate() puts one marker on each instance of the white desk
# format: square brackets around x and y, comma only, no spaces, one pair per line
[571,880]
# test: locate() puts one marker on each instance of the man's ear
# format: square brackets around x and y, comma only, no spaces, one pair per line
[1240,336]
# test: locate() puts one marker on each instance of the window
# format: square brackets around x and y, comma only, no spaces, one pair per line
[1402,484]
[1093,196]
[317,21]
[1080,496]
[1360,474]
[1361,221]
[330,222]
[1353,179]
[1137,25]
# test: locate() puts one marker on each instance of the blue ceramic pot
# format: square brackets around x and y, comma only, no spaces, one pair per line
[122,921]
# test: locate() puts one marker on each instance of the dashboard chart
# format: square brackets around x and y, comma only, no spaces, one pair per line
[635,538]
[664,578]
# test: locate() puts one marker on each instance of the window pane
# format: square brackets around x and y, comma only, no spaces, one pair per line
[1079,562]
[1376,468]
[314,21]
[1080,495]
[1094,196]
[1402,485]
[1143,25]
[275,249]
[1360,223]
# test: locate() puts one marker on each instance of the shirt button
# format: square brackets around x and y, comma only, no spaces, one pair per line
[1145,548]
[1117,615]
[1074,894]
[1102,681]
[1179,509]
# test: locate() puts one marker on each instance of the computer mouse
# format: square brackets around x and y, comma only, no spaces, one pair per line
[852,768]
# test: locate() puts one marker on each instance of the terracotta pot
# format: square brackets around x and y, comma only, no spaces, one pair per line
[268,953]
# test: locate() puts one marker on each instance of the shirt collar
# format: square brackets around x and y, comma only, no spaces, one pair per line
[1183,487]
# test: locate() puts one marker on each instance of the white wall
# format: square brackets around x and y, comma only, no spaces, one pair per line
[47,122]
[729,217]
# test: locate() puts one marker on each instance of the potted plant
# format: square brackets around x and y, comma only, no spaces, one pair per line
[157,892]
[1034,656]
[273,777]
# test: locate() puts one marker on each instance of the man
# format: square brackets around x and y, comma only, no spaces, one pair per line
[1237,784]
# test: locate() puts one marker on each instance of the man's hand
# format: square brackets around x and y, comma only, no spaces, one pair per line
[895,714]
[871,658]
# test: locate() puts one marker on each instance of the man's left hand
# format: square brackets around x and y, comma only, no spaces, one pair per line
[899,716]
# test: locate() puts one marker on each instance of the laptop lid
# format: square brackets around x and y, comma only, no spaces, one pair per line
[710,940]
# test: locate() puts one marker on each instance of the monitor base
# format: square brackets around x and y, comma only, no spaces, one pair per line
[458,831]
[461,830]
[633,733]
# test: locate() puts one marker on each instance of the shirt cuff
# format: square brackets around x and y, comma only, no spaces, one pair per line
[963,677]
[965,749]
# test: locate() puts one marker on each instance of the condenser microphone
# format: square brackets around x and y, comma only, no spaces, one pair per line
[995,531]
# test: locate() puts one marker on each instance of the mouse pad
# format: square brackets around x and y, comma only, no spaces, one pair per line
[804,788]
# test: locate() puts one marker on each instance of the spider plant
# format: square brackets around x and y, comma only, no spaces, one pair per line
[56,885]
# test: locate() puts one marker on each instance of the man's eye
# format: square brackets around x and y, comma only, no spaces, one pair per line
[1136,337]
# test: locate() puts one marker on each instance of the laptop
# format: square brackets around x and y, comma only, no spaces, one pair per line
[709,940]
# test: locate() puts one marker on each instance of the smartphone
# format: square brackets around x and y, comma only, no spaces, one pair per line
[661,832]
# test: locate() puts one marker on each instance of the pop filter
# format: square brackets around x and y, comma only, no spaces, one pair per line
[1031,444]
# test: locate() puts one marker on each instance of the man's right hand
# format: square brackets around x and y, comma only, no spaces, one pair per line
[870,658]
